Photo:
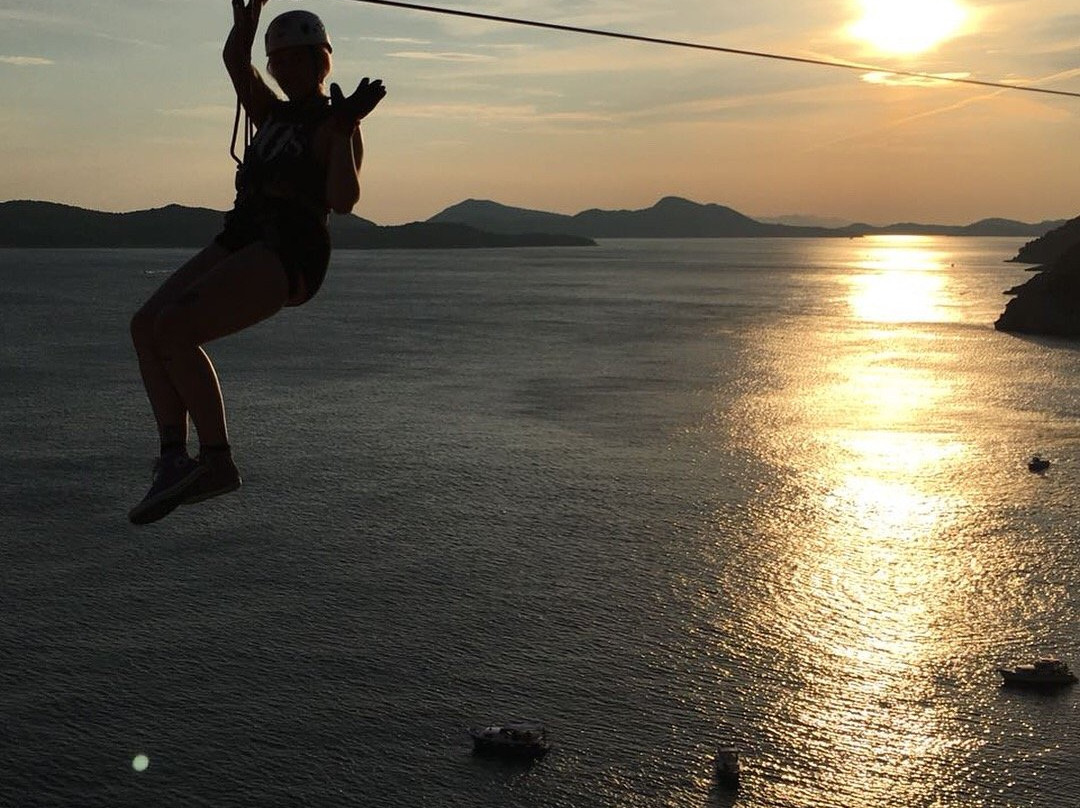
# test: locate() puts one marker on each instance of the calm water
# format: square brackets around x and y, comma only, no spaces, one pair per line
[657,494]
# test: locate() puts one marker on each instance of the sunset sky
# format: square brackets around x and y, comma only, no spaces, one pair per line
[124,104]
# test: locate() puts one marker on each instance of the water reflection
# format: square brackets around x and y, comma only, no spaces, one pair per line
[901,281]
[866,585]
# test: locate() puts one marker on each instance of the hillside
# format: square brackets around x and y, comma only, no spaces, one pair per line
[671,217]
[674,217]
[48,224]
[472,223]
[1049,302]
[1048,247]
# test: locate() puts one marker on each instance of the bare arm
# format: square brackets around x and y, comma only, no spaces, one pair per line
[346,148]
[250,88]
[343,169]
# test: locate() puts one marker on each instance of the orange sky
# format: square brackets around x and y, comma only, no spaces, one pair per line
[120,117]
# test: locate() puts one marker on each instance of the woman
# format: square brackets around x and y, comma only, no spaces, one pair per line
[303,161]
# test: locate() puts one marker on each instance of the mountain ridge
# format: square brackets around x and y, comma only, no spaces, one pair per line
[677,217]
[36,224]
[470,223]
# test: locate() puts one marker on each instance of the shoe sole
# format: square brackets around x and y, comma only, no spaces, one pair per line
[165,502]
[217,492]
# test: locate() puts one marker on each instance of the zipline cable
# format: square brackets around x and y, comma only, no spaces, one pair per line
[574,29]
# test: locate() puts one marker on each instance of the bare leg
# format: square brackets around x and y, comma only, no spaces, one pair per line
[246,287]
[169,408]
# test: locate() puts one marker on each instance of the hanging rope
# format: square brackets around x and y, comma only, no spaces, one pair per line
[249,129]
[715,48]
[235,129]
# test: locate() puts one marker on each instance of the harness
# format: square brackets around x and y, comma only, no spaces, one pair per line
[279,166]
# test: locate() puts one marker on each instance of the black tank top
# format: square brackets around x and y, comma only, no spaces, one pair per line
[279,163]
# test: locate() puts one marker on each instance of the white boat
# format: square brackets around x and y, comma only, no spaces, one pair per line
[727,763]
[517,739]
[1043,673]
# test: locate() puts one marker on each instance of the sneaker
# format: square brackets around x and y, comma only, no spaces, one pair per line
[174,475]
[220,476]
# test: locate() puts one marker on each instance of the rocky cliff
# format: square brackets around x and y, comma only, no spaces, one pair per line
[1048,247]
[1048,303]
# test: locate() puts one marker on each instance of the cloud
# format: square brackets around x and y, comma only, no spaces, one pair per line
[579,59]
[393,40]
[123,40]
[35,18]
[207,112]
[896,80]
[80,22]
[443,56]
[748,109]
[614,15]
[611,14]
[1063,29]
[497,113]
[25,61]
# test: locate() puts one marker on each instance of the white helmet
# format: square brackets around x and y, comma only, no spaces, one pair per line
[296,28]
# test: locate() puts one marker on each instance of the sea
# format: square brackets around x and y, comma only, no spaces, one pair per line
[657,494]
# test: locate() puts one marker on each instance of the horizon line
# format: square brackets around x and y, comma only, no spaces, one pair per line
[755,217]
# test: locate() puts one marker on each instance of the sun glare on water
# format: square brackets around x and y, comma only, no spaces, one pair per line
[870,514]
[900,279]
[908,27]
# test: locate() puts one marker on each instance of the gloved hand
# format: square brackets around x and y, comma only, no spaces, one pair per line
[349,111]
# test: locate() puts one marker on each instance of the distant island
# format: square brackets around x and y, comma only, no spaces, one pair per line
[675,217]
[1049,303]
[48,224]
[472,223]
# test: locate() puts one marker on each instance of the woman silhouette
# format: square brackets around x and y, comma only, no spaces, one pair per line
[303,161]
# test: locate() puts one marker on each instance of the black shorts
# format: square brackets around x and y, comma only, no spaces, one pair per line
[298,237]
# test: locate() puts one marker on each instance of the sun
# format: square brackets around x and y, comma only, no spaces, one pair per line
[908,27]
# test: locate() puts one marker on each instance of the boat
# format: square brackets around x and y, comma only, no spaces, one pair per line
[1038,464]
[727,764]
[1042,674]
[524,740]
